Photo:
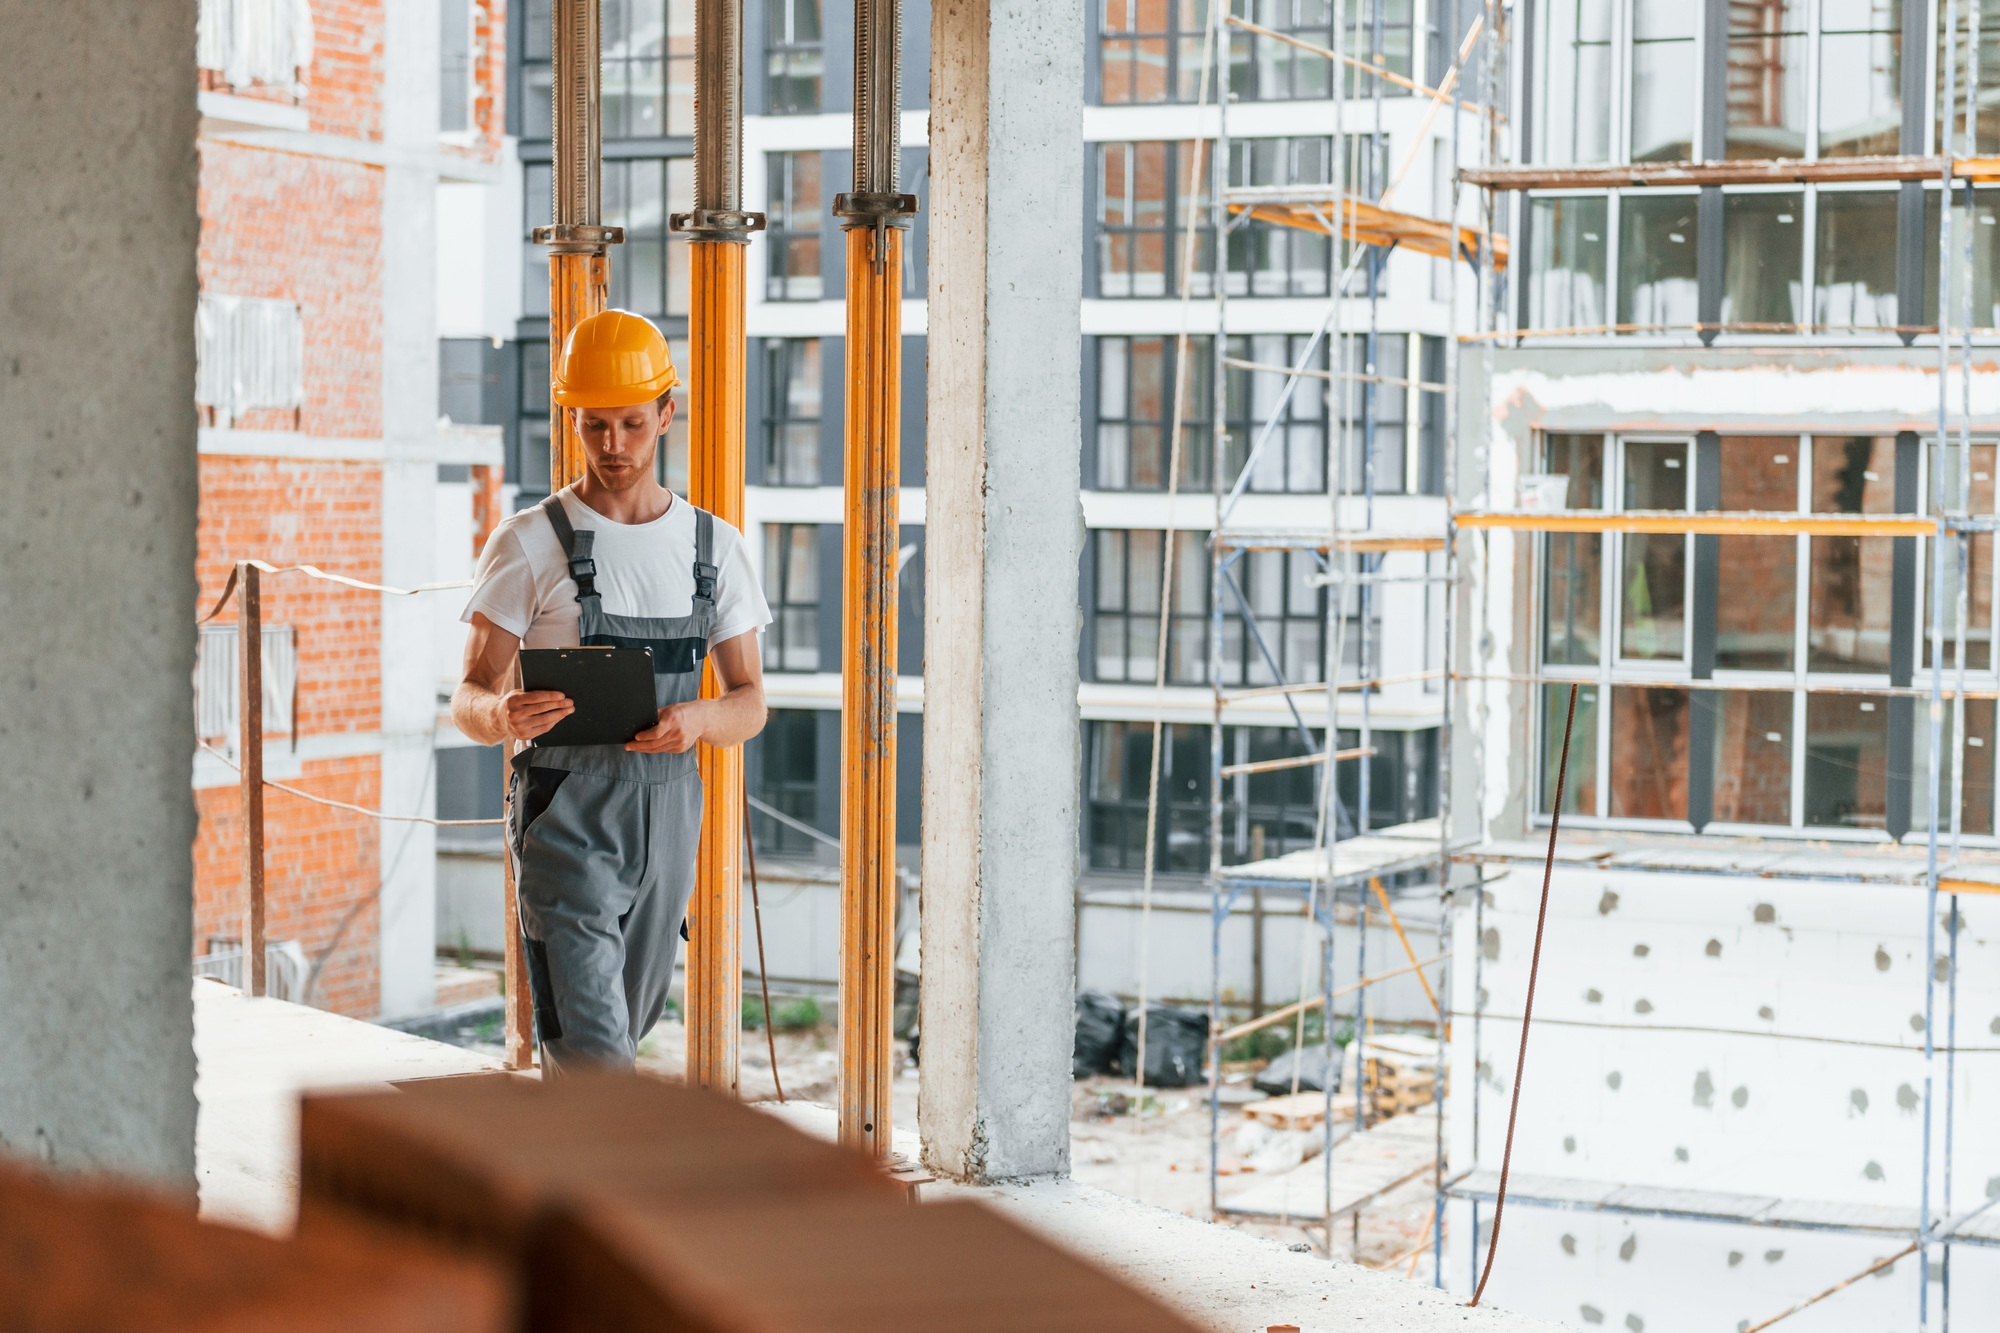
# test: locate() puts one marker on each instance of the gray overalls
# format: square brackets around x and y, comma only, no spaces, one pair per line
[606,839]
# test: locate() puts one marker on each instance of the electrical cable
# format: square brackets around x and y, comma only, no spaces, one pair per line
[763,979]
[1528,1009]
[353,809]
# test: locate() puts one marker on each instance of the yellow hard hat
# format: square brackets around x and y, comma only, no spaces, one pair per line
[613,359]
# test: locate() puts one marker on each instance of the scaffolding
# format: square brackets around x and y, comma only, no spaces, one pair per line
[1346,859]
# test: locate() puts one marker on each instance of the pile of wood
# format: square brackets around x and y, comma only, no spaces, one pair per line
[1401,1075]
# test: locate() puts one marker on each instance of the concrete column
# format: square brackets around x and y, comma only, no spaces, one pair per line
[1004,536]
[97,432]
[409,506]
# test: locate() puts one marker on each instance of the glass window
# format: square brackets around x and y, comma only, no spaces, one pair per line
[1656,261]
[638,193]
[1854,261]
[794,57]
[1983,222]
[1566,273]
[1763,248]
[1860,78]
[1572,97]
[1135,407]
[1573,578]
[1848,587]
[1119,767]
[1579,784]
[1151,50]
[792,407]
[791,582]
[792,228]
[1978,569]
[1752,781]
[454,66]
[1757,578]
[1847,761]
[1289,616]
[1126,617]
[1987,122]
[787,765]
[1394,41]
[1272,260]
[1653,604]
[1666,79]
[1388,407]
[1649,760]
[1264,69]
[1294,456]
[1765,102]
[1976,798]
[1142,208]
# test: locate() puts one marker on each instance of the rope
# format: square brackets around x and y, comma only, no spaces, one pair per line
[763,972]
[1528,1009]
[354,809]
[315,572]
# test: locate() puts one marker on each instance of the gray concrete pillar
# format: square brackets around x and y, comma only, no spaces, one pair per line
[1004,534]
[97,441]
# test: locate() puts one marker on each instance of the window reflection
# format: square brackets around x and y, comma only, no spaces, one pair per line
[1847,761]
[1573,90]
[1664,76]
[1573,568]
[1976,797]
[1656,270]
[1753,756]
[1580,783]
[1757,577]
[1765,110]
[1848,587]
[1854,263]
[1763,246]
[1649,761]
[1983,223]
[1978,569]
[1567,268]
[1860,78]
[1653,609]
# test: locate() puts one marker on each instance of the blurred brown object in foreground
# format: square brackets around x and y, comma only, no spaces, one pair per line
[88,1256]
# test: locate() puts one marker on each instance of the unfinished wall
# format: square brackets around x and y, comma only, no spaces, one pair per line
[97,432]
[1722,1039]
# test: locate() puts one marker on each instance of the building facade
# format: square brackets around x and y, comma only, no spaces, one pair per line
[333,136]
[1139,139]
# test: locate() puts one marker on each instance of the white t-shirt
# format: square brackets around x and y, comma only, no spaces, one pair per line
[643,569]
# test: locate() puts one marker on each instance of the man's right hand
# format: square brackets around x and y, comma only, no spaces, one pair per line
[528,713]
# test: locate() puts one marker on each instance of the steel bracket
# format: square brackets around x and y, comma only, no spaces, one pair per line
[715,224]
[577,239]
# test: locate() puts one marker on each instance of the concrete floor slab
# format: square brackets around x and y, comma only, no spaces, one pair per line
[253,1058]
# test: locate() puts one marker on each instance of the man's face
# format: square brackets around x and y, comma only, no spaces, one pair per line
[619,442]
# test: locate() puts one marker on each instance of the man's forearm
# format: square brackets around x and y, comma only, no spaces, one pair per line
[476,711]
[734,717]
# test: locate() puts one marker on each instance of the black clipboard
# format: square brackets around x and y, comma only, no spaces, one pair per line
[612,689]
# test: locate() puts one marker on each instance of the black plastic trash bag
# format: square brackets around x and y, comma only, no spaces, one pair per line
[1176,1044]
[1100,1021]
[1276,1077]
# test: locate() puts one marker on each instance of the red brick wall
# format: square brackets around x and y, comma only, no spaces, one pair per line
[344,91]
[308,230]
[321,874]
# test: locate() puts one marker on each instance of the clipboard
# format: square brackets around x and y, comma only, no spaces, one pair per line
[612,689]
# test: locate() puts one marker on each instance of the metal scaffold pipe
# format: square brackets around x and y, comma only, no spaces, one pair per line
[579,278]
[718,232]
[875,216]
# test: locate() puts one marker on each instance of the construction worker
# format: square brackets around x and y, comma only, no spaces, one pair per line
[604,836]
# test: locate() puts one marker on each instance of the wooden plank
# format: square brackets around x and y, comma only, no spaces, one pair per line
[1694,174]
[1299,1110]
[1701,522]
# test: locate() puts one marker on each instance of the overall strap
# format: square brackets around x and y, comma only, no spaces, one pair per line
[704,557]
[576,546]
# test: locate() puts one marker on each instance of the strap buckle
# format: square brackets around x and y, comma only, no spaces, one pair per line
[704,581]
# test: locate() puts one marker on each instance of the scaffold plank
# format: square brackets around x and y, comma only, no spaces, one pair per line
[1365,223]
[1701,523]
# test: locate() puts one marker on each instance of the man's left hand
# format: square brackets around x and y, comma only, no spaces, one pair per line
[676,732]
